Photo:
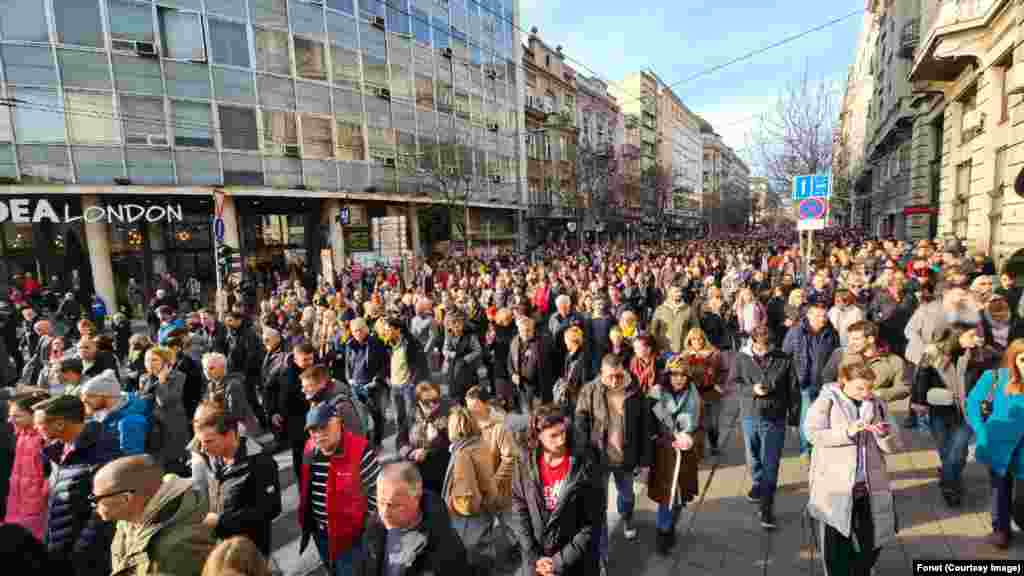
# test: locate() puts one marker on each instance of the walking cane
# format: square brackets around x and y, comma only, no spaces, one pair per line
[675,480]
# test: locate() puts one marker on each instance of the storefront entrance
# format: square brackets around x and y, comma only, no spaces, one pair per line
[280,240]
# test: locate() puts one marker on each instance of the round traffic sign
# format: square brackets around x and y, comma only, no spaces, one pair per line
[812,209]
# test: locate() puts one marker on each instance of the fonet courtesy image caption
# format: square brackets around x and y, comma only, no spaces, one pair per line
[968,567]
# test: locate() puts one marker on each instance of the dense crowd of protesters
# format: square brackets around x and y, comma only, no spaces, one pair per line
[518,390]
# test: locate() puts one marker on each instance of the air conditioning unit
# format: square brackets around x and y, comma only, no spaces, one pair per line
[493,126]
[389,162]
[378,22]
[452,171]
[496,178]
[292,150]
[146,49]
[973,120]
[447,53]
[492,74]
[383,93]
[156,139]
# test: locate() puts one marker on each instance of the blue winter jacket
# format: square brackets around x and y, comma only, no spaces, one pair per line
[810,352]
[77,539]
[998,437]
[129,423]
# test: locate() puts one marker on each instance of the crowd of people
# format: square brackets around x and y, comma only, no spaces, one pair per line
[518,390]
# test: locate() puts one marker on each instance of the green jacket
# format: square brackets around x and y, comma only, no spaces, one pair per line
[171,541]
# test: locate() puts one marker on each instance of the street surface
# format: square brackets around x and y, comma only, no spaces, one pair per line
[720,533]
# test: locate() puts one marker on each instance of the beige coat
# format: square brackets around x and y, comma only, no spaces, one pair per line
[670,325]
[834,465]
[503,454]
[469,484]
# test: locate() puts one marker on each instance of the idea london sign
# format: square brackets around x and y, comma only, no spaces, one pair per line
[26,211]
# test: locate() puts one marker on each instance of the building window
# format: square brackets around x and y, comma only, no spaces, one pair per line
[310,61]
[272,52]
[84,69]
[24,20]
[317,137]
[137,75]
[182,35]
[269,12]
[91,118]
[238,128]
[131,21]
[307,19]
[345,6]
[421,26]
[193,124]
[350,141]
[961,200]
[229,43]
[37,122]
[78,22]
[29,65]
[1006,80]
[279,132]
[143,120]
[424,92]
[547,60]
[346,66]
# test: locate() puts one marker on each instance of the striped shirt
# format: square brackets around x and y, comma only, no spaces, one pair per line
[369,469]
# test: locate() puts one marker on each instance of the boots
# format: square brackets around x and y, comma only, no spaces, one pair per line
[767,513]
[713,442]
[664,541]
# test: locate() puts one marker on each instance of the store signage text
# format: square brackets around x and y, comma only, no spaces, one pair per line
[21,211]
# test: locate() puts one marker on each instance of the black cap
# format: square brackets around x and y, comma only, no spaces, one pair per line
[319,415]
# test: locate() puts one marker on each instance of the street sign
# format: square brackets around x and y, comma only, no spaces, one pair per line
[812,186]
[812,214]
[218,229]
[343,216]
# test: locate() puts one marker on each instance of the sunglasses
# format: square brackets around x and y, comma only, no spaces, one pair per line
[95,499]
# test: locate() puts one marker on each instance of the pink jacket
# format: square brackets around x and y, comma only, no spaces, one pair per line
[26,499]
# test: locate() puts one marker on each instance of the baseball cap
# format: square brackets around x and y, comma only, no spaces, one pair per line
[319,415]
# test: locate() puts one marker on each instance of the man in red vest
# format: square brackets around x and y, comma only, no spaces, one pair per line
[338,490]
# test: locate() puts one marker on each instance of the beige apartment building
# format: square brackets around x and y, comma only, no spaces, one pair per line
[637,95]
[551,132]
[680,151]
[971,122]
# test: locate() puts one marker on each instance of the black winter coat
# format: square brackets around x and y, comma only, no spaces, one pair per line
[246,495]
[776,373]
[564,535]
[76,537]
[433,548]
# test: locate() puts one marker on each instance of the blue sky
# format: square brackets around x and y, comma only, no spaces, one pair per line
[678,38]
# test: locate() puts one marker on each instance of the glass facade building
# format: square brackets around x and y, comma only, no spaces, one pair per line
[330,95]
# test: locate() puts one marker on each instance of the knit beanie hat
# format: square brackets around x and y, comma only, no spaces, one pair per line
[103,384]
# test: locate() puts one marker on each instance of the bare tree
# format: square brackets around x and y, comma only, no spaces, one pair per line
[445,172]
[797,138]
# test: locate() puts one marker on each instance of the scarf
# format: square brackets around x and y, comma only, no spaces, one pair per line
[628,331]
[644,372]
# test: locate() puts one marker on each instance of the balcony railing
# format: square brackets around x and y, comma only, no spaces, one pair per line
[551,210]
[910,38]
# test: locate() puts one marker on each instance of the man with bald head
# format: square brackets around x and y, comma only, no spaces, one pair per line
[160,528]
[412,532]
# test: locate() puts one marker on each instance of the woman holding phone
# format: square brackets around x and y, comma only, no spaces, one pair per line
[850,497]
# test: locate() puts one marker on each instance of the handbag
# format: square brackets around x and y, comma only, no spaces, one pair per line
[985,406]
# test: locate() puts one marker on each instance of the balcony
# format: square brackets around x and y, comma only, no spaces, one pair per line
[548,211]
[956,39]
[909,38]
[537,107]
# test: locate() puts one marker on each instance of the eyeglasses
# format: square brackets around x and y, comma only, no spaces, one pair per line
[430,400]
[95,499]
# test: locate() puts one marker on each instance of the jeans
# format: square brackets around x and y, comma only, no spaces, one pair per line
[1002,500]
[666,518]
[807,397]
[625,501]
[346,563]
[403,400]
[952,436]
[763,440]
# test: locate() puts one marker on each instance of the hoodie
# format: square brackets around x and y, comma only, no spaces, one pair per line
[129,423]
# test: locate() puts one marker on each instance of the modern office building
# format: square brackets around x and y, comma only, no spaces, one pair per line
[295,109]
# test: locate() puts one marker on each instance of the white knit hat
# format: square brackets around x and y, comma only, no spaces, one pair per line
[103,384]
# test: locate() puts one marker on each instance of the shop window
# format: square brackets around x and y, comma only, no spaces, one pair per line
[346,6]
[41,119]
[230,8]
[198,168]
[78,22]
[375,71]
[23,20]
[350,141]
[186,80]
[346,66]
[317,141]
[348,106]
[310,61]
[424,92]
[313,97]
[229,43]
[41,163]
[143,121]
[238,128]
[307,19]
[91,118]
[84,69]
[421,26]
[378,112]
[272,52]
[234,85]
[149,167]
[279,132]
[17,237]
[29,65]
[182,35]
[138,75]
[192,124]
[97,165]
[276,92]
[242,170]
[269,13]
[131,21]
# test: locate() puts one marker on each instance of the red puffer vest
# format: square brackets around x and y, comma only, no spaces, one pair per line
[26,500]
[346,503]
